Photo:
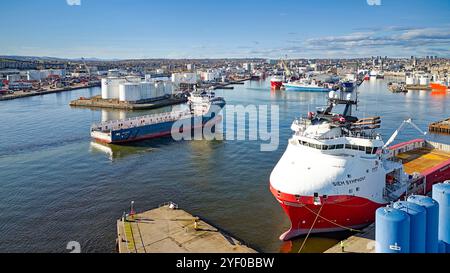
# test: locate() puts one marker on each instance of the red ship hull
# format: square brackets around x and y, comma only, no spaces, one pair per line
[336,213]
[276,84]
[438,86]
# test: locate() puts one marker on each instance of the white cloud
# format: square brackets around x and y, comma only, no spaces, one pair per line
[73,2]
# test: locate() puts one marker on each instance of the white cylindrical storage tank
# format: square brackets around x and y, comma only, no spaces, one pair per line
[159,86]
[111,88]
[129,92]
[122,90]
[105,89]
[410,80]
[145,90]
[424,81]
[168,88]
[152,91]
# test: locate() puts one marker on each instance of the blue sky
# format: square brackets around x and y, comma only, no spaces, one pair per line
[224,28]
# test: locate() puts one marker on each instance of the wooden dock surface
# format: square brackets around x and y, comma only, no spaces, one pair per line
[166,230]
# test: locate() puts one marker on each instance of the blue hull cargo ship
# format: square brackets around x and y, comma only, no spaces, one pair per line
[203,108]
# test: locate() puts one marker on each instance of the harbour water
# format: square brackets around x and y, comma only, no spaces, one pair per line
[57,187]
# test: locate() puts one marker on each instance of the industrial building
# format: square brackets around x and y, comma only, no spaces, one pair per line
[38,75]
[20,86]
[13,78]
[185,77]
[210,75]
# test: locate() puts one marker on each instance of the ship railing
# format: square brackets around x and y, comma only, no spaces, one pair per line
[139,121]
[319,137]
[169,204]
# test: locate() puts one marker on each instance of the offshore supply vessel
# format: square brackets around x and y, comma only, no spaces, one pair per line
[307,85]
[204,108]
[337,170]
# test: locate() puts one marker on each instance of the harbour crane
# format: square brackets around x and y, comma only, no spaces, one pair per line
[287,71]
[88,70]
[87,67]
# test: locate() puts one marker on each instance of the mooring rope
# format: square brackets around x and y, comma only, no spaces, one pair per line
[334,223]
[309,232]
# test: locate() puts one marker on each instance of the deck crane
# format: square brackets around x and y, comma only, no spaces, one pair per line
[287,71]
[395,134]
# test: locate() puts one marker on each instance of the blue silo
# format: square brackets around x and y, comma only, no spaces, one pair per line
[432,208]
[418,223]
[442,247]
[441,193]
[392,231]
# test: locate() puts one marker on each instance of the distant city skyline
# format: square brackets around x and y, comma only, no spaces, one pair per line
[141,29]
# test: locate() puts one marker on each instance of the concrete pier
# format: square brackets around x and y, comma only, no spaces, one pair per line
[32,93]
[363,242]
[418,87]
[168,229]
[98,102]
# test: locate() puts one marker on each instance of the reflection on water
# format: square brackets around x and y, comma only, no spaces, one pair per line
[117,114]
[117,151]
[314,243]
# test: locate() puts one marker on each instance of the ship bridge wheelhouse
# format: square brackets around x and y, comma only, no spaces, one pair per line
[339,144]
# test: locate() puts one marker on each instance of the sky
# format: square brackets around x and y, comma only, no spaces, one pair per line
[132,29]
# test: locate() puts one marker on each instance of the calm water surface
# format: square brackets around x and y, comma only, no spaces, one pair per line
[56,186]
